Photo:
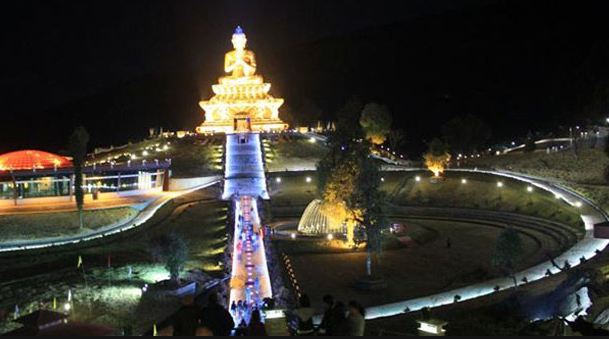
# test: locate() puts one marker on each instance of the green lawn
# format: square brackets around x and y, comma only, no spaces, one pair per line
[290,196]
[587,168]
[190,156]
[289,151]
[410,272]
[110,296]
[479,192]
[55,224]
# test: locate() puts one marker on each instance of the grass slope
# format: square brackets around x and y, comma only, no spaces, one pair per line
[45,225]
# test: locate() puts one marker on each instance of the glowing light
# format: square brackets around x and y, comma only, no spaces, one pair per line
[293,235]
[578,204]
[417,178]
[308,179]
[382,179]
[312,140]
[145,153]
[499,184]
[557,196]
[241,99]
[278,180]
[330,236]
[67,307]
[529,189]
[464,181]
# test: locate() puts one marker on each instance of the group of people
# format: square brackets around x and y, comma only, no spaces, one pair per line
[249,237]
[212,319]
[338,319]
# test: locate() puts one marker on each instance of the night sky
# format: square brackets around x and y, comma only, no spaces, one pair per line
[120,67]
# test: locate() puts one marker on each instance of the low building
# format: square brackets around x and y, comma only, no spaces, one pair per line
[33,174]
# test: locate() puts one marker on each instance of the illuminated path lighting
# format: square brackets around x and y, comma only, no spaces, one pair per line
[142,217]
[244,182]
[253,264]
[585,248]
[244,169]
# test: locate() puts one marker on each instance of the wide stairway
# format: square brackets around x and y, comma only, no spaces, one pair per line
[244,183]
[244,169]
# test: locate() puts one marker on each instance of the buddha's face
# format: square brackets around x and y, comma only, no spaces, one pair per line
[239,41]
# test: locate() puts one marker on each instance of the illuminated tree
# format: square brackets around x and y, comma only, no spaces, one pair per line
[376,122]
[508,252]
[78,150]
[437,157]
[170,249]
[367,201]
[350,191]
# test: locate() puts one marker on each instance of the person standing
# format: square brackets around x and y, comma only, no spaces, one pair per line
[217,318]
[304,315]
[355,320]
[256,327]
[327,323]
[185,320]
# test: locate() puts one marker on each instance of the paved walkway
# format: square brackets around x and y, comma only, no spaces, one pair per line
[585,248]
[244,169]
[250,282]
[106,200]
[244,183]
[146,212]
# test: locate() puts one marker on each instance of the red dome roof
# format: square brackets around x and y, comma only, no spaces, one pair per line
[32,159]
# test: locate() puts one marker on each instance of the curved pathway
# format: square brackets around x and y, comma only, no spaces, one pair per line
[586,248]
[142,217]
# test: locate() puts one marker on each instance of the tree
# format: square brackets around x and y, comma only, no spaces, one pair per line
[347,118]
[437,156]
[376,122]
[349,184]
[508,252]
[466,134]
[529,145]
[287,115]
[172,250]
[367,202]
[78,150]
[396,138]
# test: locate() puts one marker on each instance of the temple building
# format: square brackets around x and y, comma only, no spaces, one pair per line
[30,173]
[242,101]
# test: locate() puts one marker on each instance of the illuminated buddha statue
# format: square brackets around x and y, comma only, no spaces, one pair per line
[240,61]
[241,100]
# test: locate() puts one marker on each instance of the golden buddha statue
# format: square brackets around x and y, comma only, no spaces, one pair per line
[241,100]
[240,61]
